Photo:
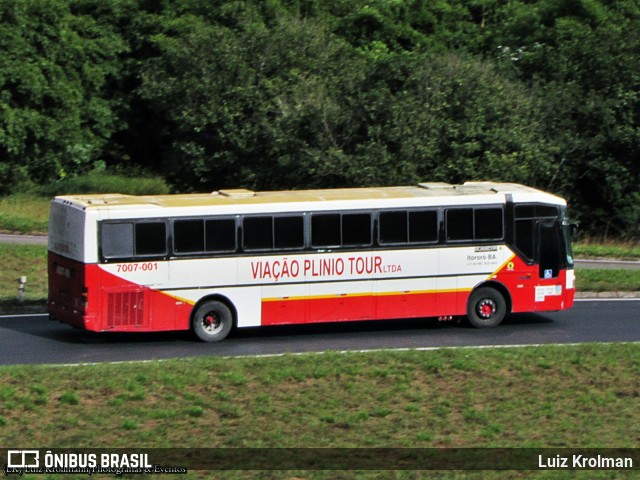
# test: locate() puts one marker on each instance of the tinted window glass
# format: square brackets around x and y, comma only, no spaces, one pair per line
[356,229]
[258,233]
[393,227]
[550,251]
[117,240]
[151,238]
[488,223]
[325,230]
[221,235]
[524,237]
[531,211]
[546,211]
[423,226]
[289,232]
[188,236]
[525,211]
[460,224]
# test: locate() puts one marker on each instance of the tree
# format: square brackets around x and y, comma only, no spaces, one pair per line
[53,70]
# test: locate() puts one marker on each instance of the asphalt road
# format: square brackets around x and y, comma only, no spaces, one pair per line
[36,340]
[23,239]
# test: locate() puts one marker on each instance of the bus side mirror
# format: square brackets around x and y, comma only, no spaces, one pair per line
[574,227]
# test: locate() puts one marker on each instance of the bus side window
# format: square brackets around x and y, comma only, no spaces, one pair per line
[258,233]
[460,224]
[288,232]
[151,238]
[488,223]
[423,226]
[188,236]
[116,240]
[356,229]
[325,230]
[220,235]
[394,227]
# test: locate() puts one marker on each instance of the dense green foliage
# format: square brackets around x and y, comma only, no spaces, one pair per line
[324,93]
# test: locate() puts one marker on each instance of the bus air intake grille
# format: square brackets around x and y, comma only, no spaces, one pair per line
[125,309]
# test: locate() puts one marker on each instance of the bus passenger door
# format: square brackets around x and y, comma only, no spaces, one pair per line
[549,250]
[549,285]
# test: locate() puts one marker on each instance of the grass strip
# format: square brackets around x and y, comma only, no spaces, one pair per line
[603,280]
[550,396]
[23,260]
[26,214]
[623,251]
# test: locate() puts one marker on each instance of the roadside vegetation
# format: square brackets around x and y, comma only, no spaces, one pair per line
[590,248]
[24,213]
[329,93]
[553,396]
[27,211]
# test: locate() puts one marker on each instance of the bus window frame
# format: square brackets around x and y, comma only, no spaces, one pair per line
[135,257]
[535,220]
[205,253]
[473,239]
[273,248]
[371,213]
[408,243]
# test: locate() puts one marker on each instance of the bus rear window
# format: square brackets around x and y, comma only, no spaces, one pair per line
[117,240]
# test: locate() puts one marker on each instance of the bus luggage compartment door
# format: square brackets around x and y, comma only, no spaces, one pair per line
[126,308]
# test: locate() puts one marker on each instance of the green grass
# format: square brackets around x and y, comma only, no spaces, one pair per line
[555,396]
[100,181]
[28,212]
[625,251]
[596,280]
[23,213]
[23,260]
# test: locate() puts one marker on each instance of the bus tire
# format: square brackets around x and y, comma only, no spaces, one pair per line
[212,321]
[486,308]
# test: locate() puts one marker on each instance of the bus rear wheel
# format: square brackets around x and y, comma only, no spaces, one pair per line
[212,321]
[486,308]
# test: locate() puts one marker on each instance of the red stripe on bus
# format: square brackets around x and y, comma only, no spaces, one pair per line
[345,308]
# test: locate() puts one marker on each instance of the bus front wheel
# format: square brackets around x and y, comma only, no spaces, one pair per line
[212,321]
[486,308]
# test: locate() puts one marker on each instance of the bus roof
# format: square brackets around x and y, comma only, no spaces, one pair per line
[248,197]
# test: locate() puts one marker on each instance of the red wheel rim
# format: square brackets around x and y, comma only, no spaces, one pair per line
[486,308]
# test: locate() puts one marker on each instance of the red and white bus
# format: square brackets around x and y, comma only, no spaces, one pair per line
[238,258]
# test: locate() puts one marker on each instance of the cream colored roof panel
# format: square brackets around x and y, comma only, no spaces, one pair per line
[248,197]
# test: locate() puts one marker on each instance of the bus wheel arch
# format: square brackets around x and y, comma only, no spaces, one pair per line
[488,304]
[212,318]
